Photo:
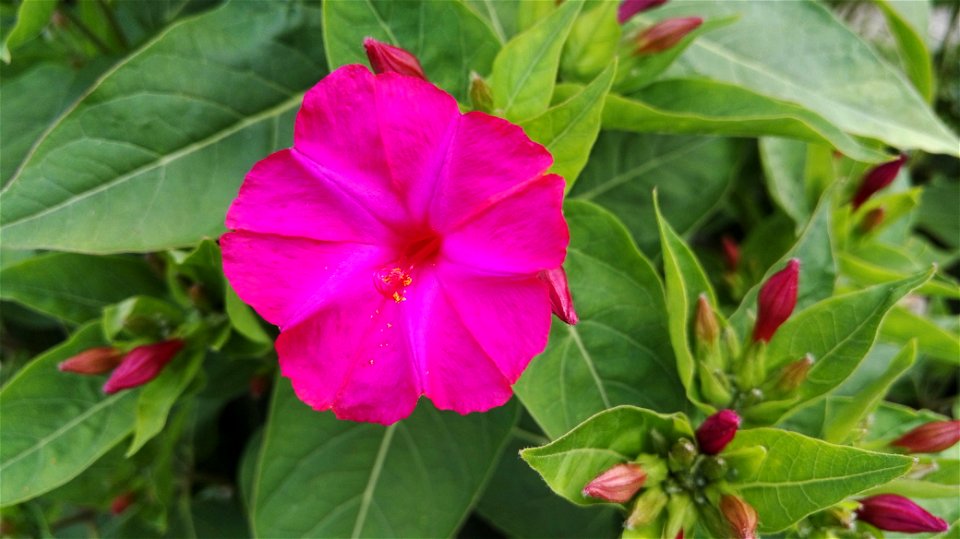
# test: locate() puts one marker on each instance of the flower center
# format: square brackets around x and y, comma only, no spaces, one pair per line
[393,279]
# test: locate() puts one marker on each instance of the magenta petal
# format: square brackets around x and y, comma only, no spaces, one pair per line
[522,233]
[286,279]
[352,357]
[289,195]
[458,373]
[490,157]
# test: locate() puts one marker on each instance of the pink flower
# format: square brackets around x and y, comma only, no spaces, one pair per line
[629,8]
[141,365]
[879,177]
[895,513]
[776,301]
[932,437]
[398,245]
[618,484]
[717,431]
[665,34]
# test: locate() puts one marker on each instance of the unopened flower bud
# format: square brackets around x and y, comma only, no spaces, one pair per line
[629,8]
[714,468]
[682,454]
[481,97]
[894,513]
[120,503]
[387,58]
[665,34]
[731,252]
[872,220]
[141,365]
[717,430]
[932,437]
[706,327]
[776,301]
[741,516]
[680,513]
[715,387]
[618,484]
[93,361]
[647,508]
[878,178]
[795,374]
[560,300]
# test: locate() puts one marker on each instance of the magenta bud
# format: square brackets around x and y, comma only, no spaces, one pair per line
[665,34]
[895,513]
[93,361]
[731,252]
[141,365]
[741,516]
[776,301]
[629,8]
[387,58]
[932,437]
[618,484]
[717,430]
[560,300]
[879,177]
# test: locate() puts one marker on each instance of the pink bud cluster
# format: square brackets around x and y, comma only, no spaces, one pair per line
[132,369]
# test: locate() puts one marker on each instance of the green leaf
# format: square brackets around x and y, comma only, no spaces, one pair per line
[56,424]
[519,503]
[699,106]
[321,477]
[32,17]
[685,281]
[902,325]
[502,15]
[617,435]
[448,38]
[838,332]
[159,396]
[141,318]
[619,352]
[568,130]
[801,475]
[867,273]
[525,71]
[914,56]
[770,52]
[785,167]
[592,43]
[75,287]
[691,174]
[938,210]
[117,173]
[243,319]
[935,478]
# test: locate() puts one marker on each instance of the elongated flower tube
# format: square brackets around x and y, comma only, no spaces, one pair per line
[878,178]
[399,246]
[932,437]
[891,512]
[717,431]
[665,34]
[93,361]
[386,58]
[629,8]
[741,516]
[776,301]
[141,365]
[618,484]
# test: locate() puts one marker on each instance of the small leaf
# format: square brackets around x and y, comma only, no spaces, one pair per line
[592,43]
[32,17]
[916,59]
[616,435]
[525,71]
[801,475]
[902,326]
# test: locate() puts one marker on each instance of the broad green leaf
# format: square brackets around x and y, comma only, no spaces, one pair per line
[770,53]
[818,269]
[619,352]
[938,210]
[891,421]
[525,71]
[685,281]
[800,475]
[838,332]
[867,273]
[933,478]
[159,396]
[448,38]
[76,287]
[785,166]
[914,56]
[902,325]
[32,17]
[500,14]
[568,130]
[840,424]
[592,43]
[690,174]
[56,424]
[118,173]
[519,503]
[611,437]
[706,107]
[321,477]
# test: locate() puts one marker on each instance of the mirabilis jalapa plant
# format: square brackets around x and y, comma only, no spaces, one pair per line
[509,209]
